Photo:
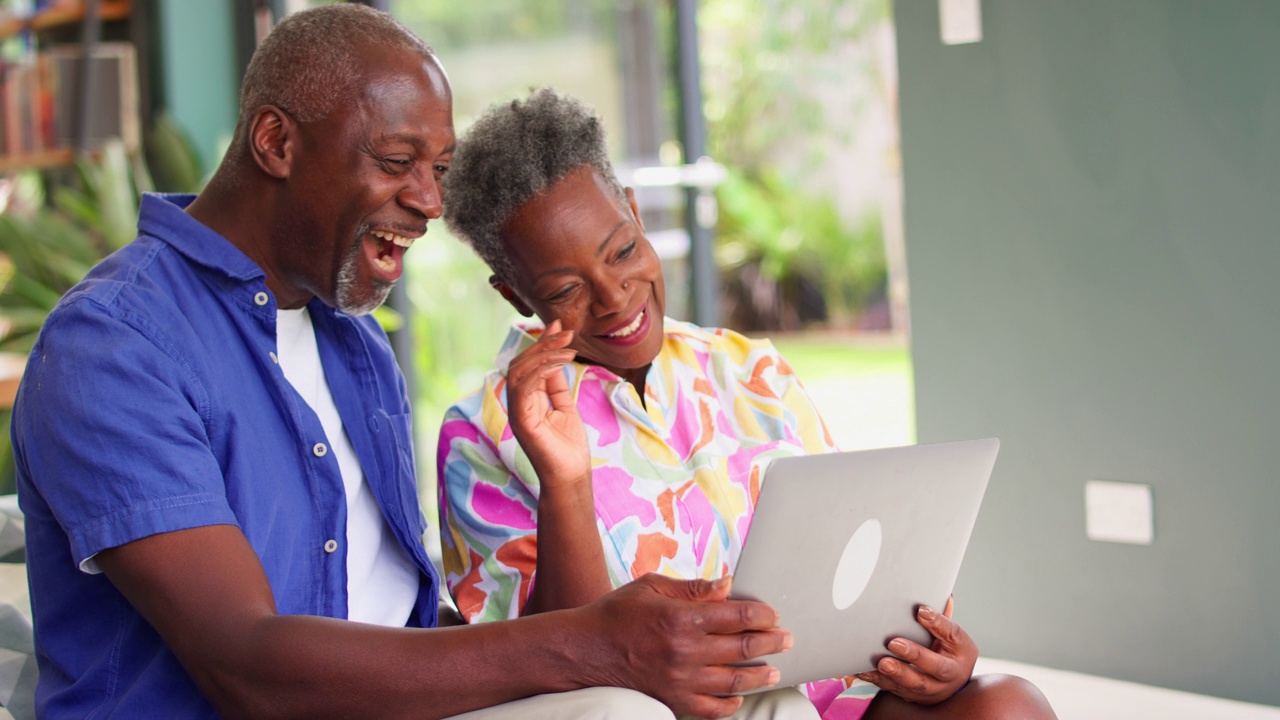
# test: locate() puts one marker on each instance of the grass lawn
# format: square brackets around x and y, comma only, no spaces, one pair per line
[862,386]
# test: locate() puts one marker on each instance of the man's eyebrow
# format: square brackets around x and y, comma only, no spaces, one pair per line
[609,237]
[414,140]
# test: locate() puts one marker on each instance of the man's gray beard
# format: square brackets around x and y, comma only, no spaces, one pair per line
[346,286]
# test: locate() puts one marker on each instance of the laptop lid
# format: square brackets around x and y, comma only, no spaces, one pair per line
[847,545]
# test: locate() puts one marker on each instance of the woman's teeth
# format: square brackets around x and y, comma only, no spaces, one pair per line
[635,325]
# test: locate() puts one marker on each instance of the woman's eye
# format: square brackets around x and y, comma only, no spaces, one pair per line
[560,294]
[625,252]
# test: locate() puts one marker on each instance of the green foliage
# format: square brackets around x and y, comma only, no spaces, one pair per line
[459,322]
[448,24]
[767,66]
[56,227]
[51,237]
[173,160]
[791,237]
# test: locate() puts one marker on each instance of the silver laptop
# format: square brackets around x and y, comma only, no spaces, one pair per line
[846,546]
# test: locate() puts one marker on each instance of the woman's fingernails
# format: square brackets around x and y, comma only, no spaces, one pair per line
[927,613]
[898,647]
[774,676]
[888,665]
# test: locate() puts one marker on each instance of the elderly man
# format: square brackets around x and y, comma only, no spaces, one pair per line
[215,461]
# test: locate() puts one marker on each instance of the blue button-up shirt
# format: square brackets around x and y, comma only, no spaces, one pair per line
[153,402]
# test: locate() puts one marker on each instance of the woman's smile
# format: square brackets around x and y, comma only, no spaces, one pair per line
[632,332]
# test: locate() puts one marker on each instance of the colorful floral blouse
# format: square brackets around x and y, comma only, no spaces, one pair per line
[675,478]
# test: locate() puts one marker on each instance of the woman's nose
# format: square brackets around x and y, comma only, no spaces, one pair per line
[611,296]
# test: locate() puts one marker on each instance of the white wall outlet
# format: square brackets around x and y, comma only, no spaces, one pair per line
[1118,512]
[961,21]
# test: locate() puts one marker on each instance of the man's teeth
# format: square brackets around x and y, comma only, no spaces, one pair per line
[634,326]
[400,240]
[386,263]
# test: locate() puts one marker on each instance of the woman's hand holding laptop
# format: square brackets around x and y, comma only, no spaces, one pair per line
[928,675]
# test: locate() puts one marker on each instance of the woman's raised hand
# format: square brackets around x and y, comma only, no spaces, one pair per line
[544,419]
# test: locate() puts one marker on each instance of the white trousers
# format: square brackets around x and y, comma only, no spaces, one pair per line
[607,703]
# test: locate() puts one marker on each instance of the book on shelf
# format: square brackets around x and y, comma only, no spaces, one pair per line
[113,109]
[40,101]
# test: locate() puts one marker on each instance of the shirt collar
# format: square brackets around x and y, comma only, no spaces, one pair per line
[164,216]
[519,338]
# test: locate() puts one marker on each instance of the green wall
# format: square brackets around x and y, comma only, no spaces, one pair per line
[1093,239]
[197,57]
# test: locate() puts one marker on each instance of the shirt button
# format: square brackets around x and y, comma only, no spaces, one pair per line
[260,299]
[330,546]
[319,449]
[274,359]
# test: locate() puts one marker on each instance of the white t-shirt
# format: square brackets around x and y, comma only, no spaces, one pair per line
[382,583]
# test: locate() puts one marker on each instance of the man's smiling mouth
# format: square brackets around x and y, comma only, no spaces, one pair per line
[387,260]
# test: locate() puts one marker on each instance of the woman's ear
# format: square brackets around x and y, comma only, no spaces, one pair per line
[635,209]
[271,136]
[509,294]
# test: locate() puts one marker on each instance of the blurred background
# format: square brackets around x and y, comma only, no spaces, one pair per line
[1081,193]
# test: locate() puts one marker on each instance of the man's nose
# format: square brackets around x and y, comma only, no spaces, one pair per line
[423,194]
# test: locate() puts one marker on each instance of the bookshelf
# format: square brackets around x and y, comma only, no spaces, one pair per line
[58,15]
[60,95]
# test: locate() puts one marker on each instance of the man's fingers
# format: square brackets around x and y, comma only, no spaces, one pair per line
[732,616]
[709,706]
[714,689]
[698,590]
[725,680]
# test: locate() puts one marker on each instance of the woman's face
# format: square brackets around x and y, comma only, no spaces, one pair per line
[581,257]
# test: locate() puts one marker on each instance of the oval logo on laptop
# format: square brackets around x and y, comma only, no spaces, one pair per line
[857,563]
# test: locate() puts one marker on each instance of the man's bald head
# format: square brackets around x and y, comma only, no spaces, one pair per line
[312,61]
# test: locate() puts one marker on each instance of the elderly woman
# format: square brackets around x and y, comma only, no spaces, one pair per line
[617,442]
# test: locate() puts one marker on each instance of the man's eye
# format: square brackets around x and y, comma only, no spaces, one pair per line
[398,164]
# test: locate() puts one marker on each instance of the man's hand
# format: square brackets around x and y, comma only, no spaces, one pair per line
[675,640]
[544,419]
[923,675]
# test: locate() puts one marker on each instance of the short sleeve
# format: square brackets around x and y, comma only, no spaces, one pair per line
[488,515]
[110,429]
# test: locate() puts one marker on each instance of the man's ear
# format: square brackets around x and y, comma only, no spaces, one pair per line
[272,134]
[635,209]
[509,294]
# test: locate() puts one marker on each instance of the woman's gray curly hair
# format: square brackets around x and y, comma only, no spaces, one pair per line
[513,152]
